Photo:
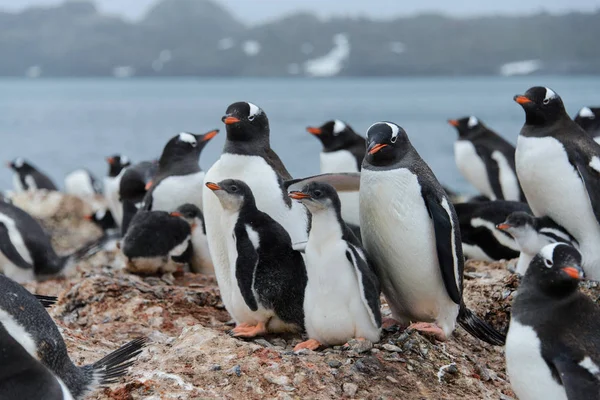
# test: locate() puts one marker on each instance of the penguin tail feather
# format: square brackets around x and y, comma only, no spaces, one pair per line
[88,249]
[110,368]
[47,301]
[479,328]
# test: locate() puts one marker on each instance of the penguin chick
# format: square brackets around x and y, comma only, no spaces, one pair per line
[201,262]
[341,301]
[552,346]
[26,320]
[116,167]
[110,232]
[531,234]
[269,276]
[27,177]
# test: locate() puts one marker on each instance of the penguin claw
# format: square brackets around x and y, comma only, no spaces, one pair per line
[249,331]
[429,329]
[310,344]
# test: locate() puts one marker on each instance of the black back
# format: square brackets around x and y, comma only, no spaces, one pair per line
[24,169]
[337,135]
[588,119]
[132,188]
[104,219]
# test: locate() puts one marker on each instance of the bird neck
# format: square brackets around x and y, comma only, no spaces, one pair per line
[325,226]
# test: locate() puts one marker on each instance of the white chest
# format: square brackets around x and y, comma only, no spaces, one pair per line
[338,161]
[509,183]
[111,194]
[78,183]
[17,183]
[175,191]
[472,167]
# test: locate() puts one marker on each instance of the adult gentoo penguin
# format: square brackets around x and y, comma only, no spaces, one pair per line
[179,179]
[343,151]
[559,168]
[532,234]
[486,160]
[82,183]
[26,320]
[27,177]
[268,276]
[341,301]
[552,346]
[588,118]
[116,165]
[410,231]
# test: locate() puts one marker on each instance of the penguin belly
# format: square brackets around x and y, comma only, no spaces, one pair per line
[78,183]
[474,252]
[398,235]
[334,311]
[529,375]
[472,167]
[553,188]
[264,182]
[201,261]
[7,267]
[18,185]
[111,194]
[176,190]
[15,273]
[338,162]
[509,184]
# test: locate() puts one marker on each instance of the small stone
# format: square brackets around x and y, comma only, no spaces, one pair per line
[237,370]
[389,378]
[392,348]
[403,338]
[334,363]
[280,380]
[215,367]
[302,352]
[447,373]
[279,342]
[263,342]
[367,365]
[299,379]
[424,350]
[359,346]
[505,397]
[350,389]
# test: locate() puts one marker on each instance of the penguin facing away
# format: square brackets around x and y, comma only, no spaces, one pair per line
[342,294]
[559,168]
[27,177]
[401,201]
[552,346]
[268,276]
[82,183]
[26,320]
[179,179]
[116,166]
[201,262]
[486,160]
[532,234]
[588,118]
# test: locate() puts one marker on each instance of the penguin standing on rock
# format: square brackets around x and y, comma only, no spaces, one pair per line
[559,168]
[341,301]
[268,276]
[179,179]
[588,118]
[26,177]
[410,230]
[552,346]
[116,165]
[486,160]
[26,321]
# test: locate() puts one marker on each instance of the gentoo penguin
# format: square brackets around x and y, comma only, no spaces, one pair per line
[26,320]
[479,236]
[268,277]
[552,346]
[133,188]
[156,241]
[559,169]
[248,156]
[341,300]
[26,251]
[588,118]
[110,232]
[179,179]
[22,376]
[486,160]
[410,230]
[116,166]
[343,151]
[531,234]
[82,183]
[27,177]
[201,262]
[103,219]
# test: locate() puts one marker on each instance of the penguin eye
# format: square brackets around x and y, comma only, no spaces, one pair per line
[317,193]
[251,118]
[548,263]
[393,139]
[546,101]
[233,188]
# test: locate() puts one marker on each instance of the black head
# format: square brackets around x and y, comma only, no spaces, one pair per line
[466,126]
[246,122]
[387,143]
[517,220]
[20,165]
[232,193]
[116,164]
[556,270]
[190,213]
[542,106]
[103,218]
[334,135]
[185,145]
[589,119]
[318,196]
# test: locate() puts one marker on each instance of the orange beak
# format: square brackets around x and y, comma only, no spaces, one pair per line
[110,160]
[230,120]
[176,214]
[503,227]
[377,147]
[314,131]
[298,195]
[148,185]
[453,122]
[88,217]
[210,135]
[522,100]
[572,272]
[213,186]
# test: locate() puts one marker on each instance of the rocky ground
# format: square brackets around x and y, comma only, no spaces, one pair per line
[191,355]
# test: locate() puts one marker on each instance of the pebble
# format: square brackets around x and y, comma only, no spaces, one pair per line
[367,365]
[215,367]
[237,370]
[359,346]
[389,378]
[392,348]
[280,380]
[334,363]
[263,342]
[279,342]
[350,389]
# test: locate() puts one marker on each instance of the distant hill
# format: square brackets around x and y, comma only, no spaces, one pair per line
[201,38]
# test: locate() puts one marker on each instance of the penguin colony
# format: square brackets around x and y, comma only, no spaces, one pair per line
[311,256]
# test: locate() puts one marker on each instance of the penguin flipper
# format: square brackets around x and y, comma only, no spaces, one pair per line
[578,381]
[10,251]
[492,169]
[368,282]
[342,182]
[590,175]
[448,245]
[245,265]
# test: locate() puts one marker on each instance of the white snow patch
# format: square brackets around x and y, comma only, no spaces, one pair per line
[225,44]
[524,67]
[397,47]
[251,47]
[331,63]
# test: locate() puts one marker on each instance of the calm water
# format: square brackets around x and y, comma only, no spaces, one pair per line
[61,125]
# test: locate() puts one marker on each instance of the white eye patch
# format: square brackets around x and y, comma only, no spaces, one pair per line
[188,138]
[473,121]
[19,162]
[100,214]
[395,130]
[254,110]
[547,253]
[549,95]
[338,127]
[124,160]
[586,112]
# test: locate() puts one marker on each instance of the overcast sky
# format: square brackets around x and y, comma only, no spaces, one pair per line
[259,10]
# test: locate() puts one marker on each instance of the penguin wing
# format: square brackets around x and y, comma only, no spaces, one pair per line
[342,182]
[589,173]
[492,168]
[580,382]
[368,283]
[246,263]
[447,242]
[10,251]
